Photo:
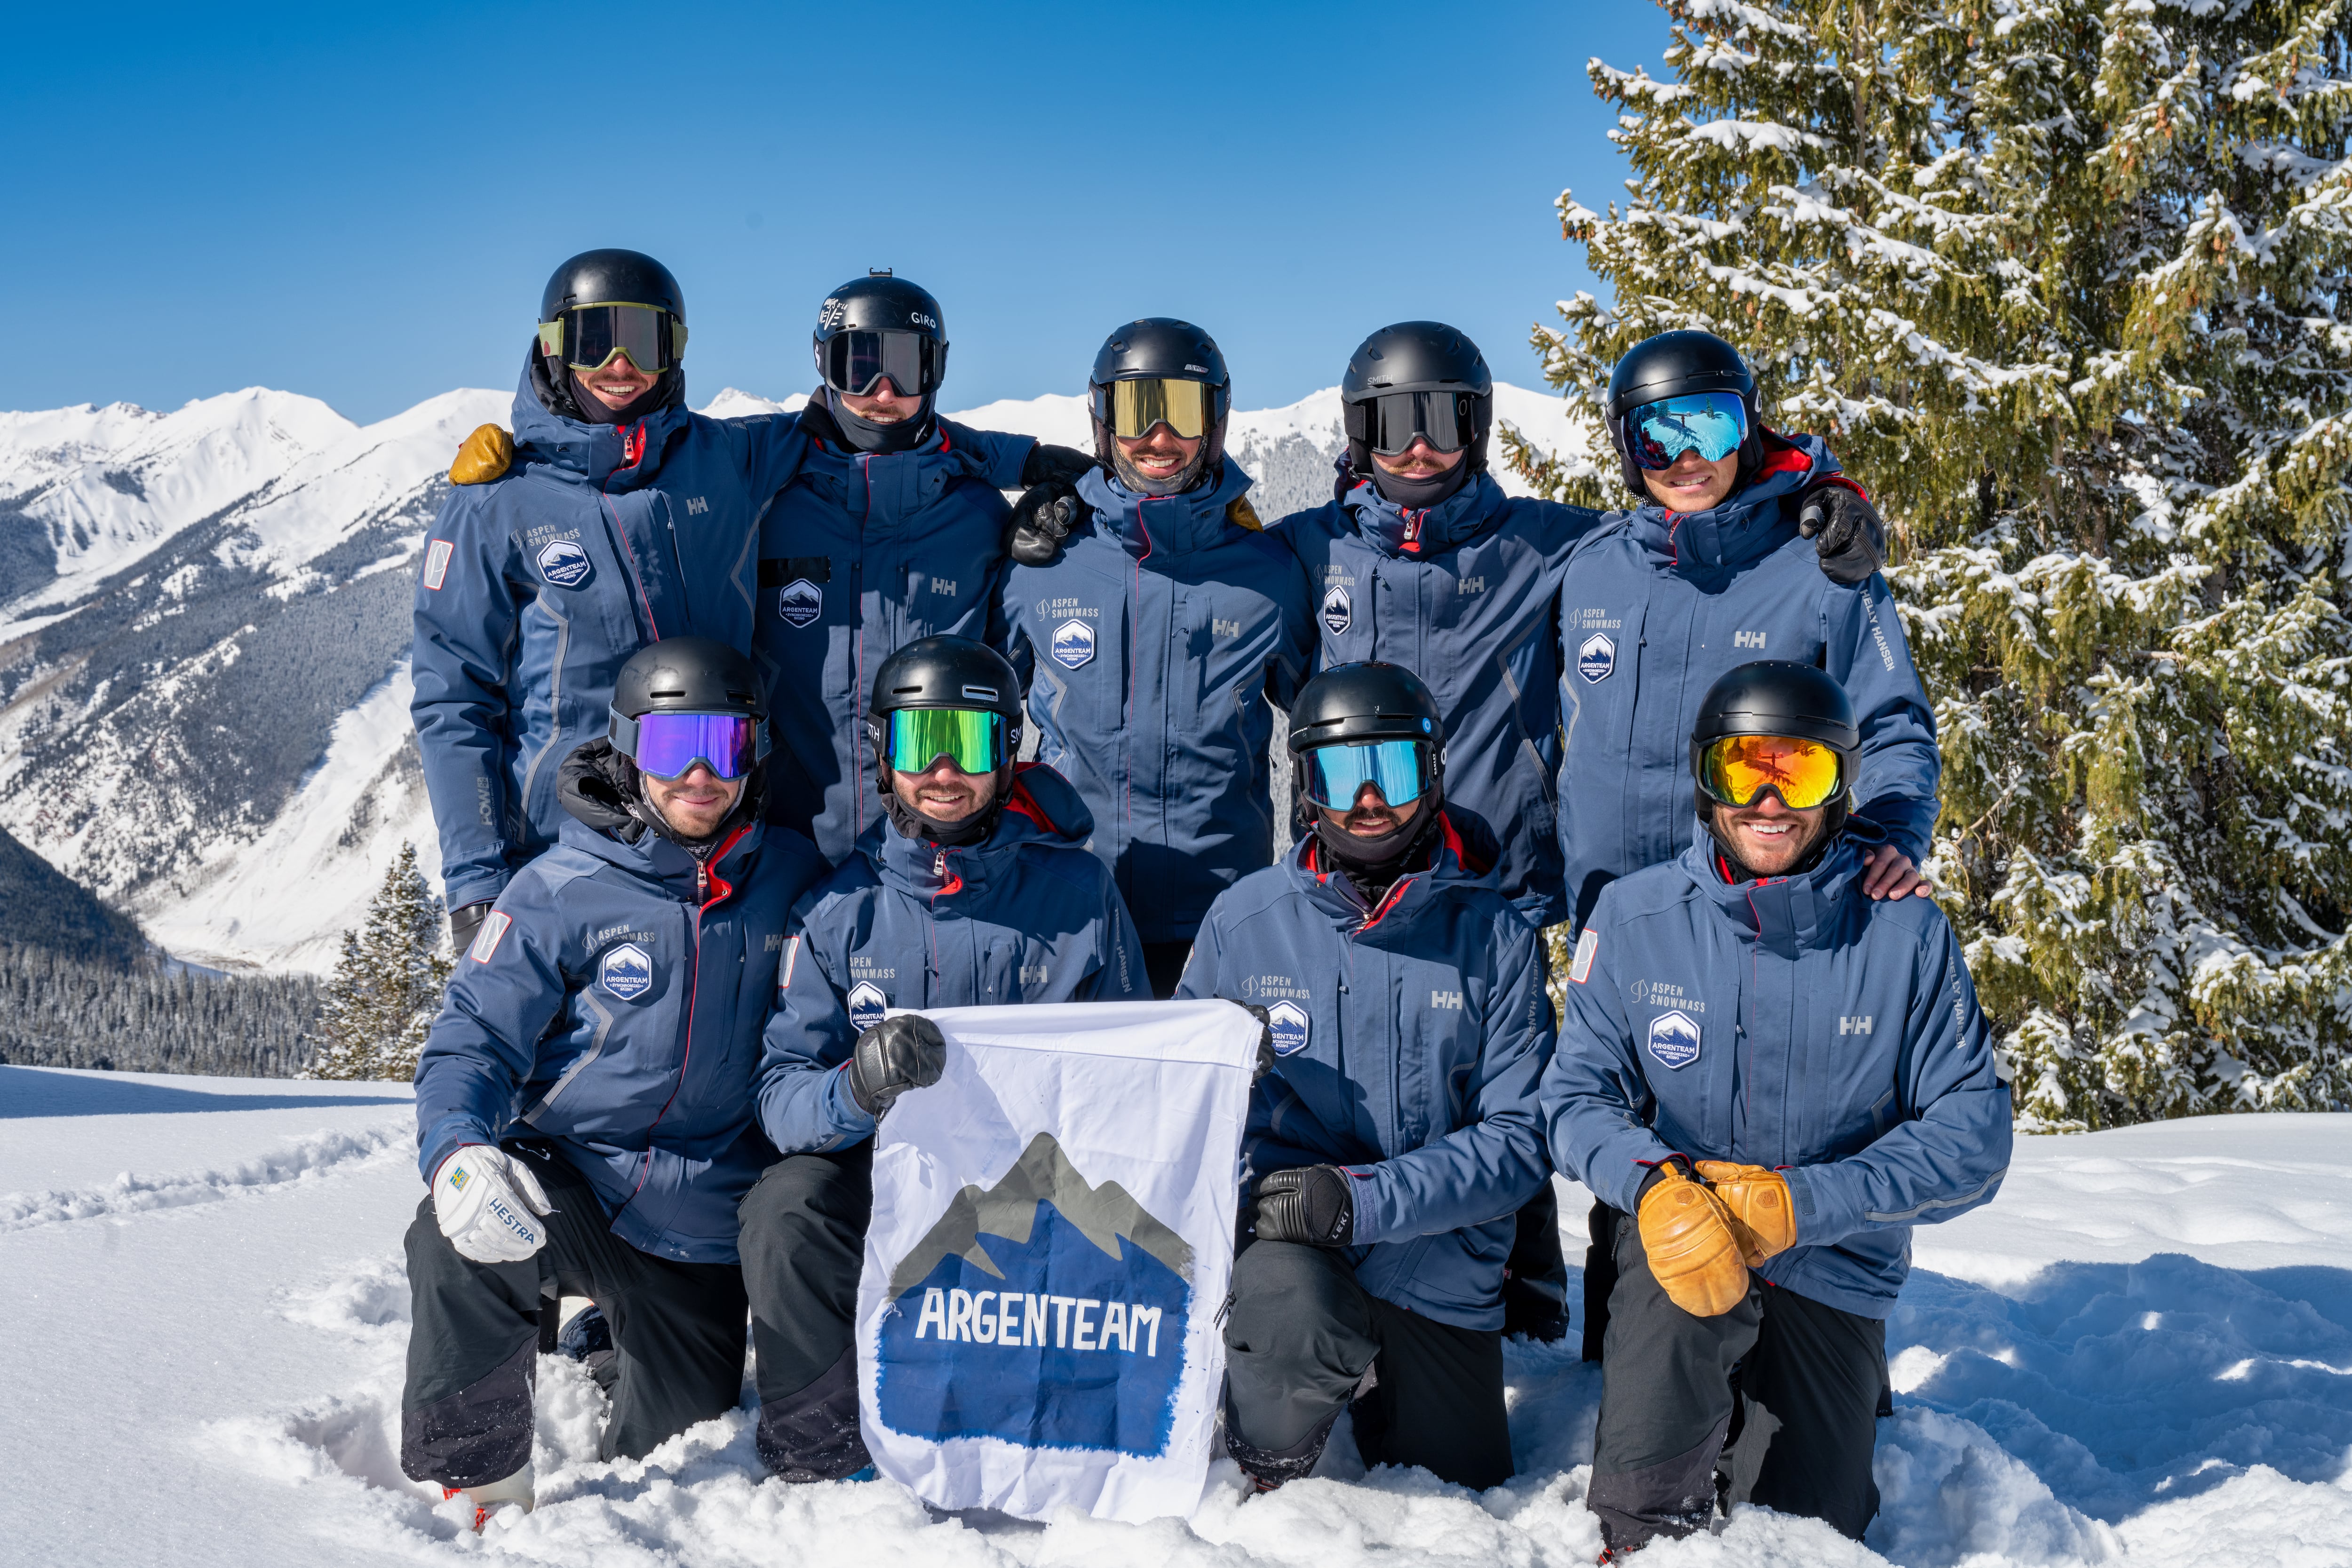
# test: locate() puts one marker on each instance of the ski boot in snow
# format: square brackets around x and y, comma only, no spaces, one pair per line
[488,1499]
[586,1338]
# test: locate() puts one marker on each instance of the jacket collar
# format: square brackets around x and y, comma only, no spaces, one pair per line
[1750,524]
[1787,914]
[1462,859]
[1418,535]
[1042,809]
[1172,524]
[594,453]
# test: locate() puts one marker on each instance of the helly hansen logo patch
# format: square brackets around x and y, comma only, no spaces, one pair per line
[1747,640]
[1445,999]
[1471,585]
[944,587]
[485,941]
[1856,1026]
[696,506]
[436,562]
[1223,628]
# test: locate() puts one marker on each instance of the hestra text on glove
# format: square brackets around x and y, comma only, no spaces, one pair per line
[489,1205]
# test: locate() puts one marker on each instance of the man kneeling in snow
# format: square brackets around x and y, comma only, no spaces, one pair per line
[583,1102]
[1772,1077]
[977,888]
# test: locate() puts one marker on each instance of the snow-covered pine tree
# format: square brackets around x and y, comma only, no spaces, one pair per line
[387,986]
[2065,283]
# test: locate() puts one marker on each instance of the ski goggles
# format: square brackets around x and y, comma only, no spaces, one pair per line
[1398,419]
[1738,769]
[1400,770]
[587,337]
[669,745]
[971,738]
[858,361]
[1132,408]
[1712,423]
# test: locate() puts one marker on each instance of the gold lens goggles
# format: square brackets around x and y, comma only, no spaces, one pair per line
[1738,769]
[1184,406]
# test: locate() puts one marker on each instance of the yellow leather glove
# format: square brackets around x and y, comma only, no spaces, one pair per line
[482,456]
[1693,1245]
[1764,1216]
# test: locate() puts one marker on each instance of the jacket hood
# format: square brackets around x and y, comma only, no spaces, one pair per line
[593,453]
[1409,534]
[1193,520]
[1788,914]
[1042,809]
[1750,524]
[1464,858]
[835,458]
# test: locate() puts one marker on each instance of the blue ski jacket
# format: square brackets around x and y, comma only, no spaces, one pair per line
[538,586]
[1149,650]
[1465,594]
[1027,915]
[1791,1022]
[612,1005]
[1410,1040]
[1656,606]
[860,555]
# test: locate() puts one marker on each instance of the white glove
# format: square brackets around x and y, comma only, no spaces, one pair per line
[485,1200]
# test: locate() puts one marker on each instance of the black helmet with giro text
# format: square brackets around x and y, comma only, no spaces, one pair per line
[877,326]
[1159,371]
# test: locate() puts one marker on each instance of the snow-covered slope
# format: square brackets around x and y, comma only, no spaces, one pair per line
[203,618]
[2139,1355]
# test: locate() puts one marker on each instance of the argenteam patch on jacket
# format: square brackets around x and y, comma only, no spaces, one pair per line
[626,972]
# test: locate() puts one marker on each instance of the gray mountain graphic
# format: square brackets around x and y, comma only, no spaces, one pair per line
[1102,1215]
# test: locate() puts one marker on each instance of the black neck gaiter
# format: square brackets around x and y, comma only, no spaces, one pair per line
[974,829]
[1185,479]
[1420,495]
[867,436]
[1372,864]
[592,409]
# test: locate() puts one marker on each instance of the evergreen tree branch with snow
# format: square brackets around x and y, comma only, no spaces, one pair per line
[2064,283]
[387,986]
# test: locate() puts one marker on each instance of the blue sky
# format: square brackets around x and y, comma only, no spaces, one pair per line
[362,204]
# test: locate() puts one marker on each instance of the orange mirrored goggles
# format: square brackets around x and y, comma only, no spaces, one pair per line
[1738,769]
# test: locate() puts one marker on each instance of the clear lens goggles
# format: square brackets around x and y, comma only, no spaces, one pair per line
[1399,418]
[1335,775]
[1132,408]
[1738,769]
[1712,423]
[669,745]
[589,336]
[971,738]
[857,361]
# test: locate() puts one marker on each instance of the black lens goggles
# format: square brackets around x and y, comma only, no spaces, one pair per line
[858,361]
[587,337]
[1390,423]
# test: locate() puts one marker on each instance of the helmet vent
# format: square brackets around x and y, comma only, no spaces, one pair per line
[878,272]
[674,691]
[981,693]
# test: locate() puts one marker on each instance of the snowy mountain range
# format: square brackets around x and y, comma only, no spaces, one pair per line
[204,627]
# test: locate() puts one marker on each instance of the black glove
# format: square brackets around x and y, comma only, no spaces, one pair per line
[893,1056]
[1265,1040]
[464,922]
[1049,464]
[1041,519]
[1308,1203]
[1845,527]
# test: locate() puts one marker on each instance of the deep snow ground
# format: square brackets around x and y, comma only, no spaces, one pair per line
[2141,1353]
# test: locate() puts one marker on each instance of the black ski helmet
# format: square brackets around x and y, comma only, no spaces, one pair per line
[879,302]
[1416,356]
[685,675]
[943,672]
[1164,347]
[1668,365]
[1779,697]
[613,278]
[1363,701]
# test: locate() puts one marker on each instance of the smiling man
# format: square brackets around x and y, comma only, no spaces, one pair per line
[585,1115]
[1769,1077]
[973,889]
[1393,1141]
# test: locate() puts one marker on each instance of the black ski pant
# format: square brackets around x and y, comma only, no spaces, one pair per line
[1535,1278]
[804,1243]
[1163,966]
[1775,1402]
[1304,1340]
[473,1340]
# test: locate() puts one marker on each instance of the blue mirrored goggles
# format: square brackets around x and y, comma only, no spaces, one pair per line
[1712,423]
[1400,770]
[667,745]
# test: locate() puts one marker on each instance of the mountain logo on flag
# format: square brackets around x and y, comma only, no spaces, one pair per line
[1044,1311]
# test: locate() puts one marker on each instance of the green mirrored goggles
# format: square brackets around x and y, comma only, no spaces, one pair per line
[971,738]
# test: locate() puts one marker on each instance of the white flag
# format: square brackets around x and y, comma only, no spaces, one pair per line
[1052,1241]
